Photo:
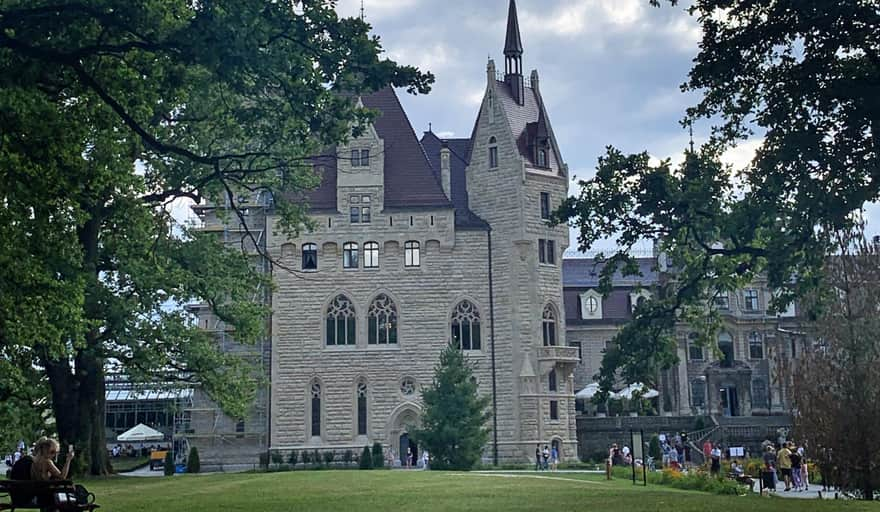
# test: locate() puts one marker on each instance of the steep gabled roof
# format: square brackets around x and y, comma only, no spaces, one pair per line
[410,181]
[519,117]
[459,156]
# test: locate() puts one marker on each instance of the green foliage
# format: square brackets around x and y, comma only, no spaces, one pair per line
[263,458]
[454,416]
[366,461]
[316,457]
[205,100]
[277,457]
[347,457]
[168,465]
[328,457]
[699,423]
[804,79]
[293,458]
[378,456]
[193,464]
[306,457]
[654,449]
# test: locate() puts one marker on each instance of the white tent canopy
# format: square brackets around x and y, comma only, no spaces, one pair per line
[629,391]
[140,433]
[588,392]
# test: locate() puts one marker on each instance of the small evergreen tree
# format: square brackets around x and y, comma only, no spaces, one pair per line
[366,459]
[193,464]
[292,459]
[316,457]
[378,455]
[277,458]
[454,416]
[347,455]
[307,457]
[654,448]
[328,457]
[169,463]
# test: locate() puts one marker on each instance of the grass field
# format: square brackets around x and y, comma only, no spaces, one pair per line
[351,491]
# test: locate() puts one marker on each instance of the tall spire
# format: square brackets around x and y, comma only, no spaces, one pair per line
[512,42]
[513,56]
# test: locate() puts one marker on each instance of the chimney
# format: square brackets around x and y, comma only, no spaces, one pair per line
[445,171]
[490,72]
[534,79]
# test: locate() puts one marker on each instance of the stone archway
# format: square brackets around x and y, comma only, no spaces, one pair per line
[399,434]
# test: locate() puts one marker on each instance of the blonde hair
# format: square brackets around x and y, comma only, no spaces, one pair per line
[43,458]
[44,446]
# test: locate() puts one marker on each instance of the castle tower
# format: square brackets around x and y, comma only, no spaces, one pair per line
[515,178]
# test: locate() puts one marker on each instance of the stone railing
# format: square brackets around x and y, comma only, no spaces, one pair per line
[558,353]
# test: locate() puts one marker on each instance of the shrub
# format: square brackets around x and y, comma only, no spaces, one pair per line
[328,457]
[366,459]
[306,456]
[193,464]
[292,459]
[169,463]
[316,457]
[347,455]
[378,455]
[654,449]
[277,457]
[264,459]
[700,423]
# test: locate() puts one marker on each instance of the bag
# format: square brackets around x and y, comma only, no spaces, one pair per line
[83,496]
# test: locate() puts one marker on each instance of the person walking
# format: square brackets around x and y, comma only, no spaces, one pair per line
[545,454]
[796,464]
[538,457]
[783,459]
[715,463]
[770,465]
[612,453]
[554,458]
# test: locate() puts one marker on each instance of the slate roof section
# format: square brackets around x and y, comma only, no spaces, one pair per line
[519,117]
[460,150]
[410,181]
[584,273]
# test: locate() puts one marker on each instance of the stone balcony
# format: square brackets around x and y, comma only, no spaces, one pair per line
[558,354]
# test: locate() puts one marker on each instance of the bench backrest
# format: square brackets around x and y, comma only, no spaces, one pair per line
[21,470]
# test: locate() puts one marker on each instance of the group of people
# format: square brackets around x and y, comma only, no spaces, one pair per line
[130,451]
[787,465]
[546,459]
[43,454]
[676,452]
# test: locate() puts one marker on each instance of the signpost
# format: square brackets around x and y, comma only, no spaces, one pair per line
[638,452]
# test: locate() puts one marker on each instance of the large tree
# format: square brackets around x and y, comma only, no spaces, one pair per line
[805,76]
[454,415]
[835,384]
[110,110]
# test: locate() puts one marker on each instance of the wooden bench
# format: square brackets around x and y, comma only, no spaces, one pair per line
[47,495]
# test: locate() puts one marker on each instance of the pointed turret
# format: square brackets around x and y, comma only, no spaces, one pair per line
[513,50]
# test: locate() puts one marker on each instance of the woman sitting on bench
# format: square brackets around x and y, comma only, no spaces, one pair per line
[44,468]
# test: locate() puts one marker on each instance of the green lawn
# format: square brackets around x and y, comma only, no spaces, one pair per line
[352,491]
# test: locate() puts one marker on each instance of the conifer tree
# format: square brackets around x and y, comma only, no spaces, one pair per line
[454,417]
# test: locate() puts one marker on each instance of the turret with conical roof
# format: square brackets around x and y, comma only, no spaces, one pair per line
[513,50]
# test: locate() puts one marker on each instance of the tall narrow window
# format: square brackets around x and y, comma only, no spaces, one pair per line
[382,321]
[340,322]
[751,299]
[722,299]
[542,158]
[549,323]
[493,153]
[695,351]
[350,255]
[355,157]
[551,380]
[371,255]
[551,252]
[756,346]
[411,257]
[365,157]
[362,408]
[466,326]
[542,250]
[554,410]
[698,393]
[725,346]
[545,205]
[759,394]
[309,257]
[316,408]
[365,209]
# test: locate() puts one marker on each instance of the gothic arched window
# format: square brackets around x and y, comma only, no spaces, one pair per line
[493,153]
[315,393]
[362,408]
[382,321]
[549,325]
[465,326]
[309,257]
[340,322]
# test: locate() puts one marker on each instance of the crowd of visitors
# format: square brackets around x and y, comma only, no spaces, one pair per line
[546,459]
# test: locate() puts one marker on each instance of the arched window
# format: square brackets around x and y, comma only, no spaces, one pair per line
[362,408]
[309,257]
[315,392]
[466,326]
[759,394]
[551,380]
[698,393]
[382,321]
[695,351]
[756,346]
[411,256]
[493,153]
[341,323]
[350,255]
[371,255]
[549,323]
[725,346]
[542,158]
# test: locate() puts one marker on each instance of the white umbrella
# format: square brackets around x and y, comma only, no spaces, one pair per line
[588,392]
[140,433]
[643,391]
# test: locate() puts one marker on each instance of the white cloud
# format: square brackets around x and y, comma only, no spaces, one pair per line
[740,156]
[375,10]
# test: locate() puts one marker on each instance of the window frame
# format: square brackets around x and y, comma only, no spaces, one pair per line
[311,249]
[350,255]
[316,394]
[554,410]
[692,345]
[465,318]
[389,327]
[412,257]
[749,295]
[545,205]
[363,407]
[755,340]
[550,326]
[348,323]
[371,255]
[493,153]
[552,381]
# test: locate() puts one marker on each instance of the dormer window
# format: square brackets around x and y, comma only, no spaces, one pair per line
[493,153]
[360,157]
[542,158]
[359,208]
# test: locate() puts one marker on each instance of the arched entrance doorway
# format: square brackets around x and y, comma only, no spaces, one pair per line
[402,422]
